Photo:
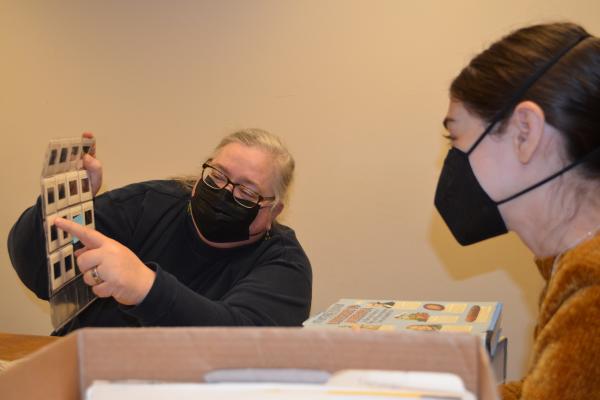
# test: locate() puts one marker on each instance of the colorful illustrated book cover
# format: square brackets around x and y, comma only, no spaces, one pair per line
[480,318]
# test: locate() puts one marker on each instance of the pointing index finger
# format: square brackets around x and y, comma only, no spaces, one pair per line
[89,237]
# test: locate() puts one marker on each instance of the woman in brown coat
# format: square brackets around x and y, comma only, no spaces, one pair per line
[524,125]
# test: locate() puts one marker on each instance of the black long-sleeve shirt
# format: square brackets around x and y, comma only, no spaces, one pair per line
[265,283]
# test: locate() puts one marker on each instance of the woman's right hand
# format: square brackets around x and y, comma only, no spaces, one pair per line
[92,165]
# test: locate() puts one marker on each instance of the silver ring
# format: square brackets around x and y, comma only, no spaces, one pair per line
[96,276]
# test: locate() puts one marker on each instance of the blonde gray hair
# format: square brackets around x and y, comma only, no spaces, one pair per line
[272,145]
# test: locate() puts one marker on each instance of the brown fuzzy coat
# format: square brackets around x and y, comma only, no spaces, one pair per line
[566,352]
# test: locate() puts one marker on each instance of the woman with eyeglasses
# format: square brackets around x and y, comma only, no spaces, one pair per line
[186,253]
[524,126]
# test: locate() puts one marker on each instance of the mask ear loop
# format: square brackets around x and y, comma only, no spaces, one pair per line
[480,138]
[520,93]
[583,159]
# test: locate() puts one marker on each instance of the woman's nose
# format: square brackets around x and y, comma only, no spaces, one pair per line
[229,187]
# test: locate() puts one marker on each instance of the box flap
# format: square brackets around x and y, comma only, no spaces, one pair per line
[49,373]
[187,354]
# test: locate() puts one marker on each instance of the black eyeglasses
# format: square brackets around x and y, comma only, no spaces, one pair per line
[242,195]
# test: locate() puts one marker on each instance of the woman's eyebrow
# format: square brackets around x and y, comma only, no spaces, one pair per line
[244,181]
[447,121]
[249,184]
[220,168]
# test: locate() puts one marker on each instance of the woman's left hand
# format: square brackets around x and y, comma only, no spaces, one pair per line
[108,266]
[92,165]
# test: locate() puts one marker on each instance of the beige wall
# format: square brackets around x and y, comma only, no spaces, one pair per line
[358,90]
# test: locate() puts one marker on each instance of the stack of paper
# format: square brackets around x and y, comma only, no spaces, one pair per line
[350,384]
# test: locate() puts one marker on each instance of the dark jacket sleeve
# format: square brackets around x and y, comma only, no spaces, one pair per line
[27,251]
[27,240]
[277,292]
[270,286]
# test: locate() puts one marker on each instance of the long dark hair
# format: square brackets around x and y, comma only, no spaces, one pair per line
[568,92]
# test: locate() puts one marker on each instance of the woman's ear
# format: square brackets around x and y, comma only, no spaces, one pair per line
[529,121]
[275,211]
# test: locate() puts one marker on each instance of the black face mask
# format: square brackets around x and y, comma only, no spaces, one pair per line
[218,217]
[471,215]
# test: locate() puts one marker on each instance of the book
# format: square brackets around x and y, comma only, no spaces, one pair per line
[499,360]
[479,318]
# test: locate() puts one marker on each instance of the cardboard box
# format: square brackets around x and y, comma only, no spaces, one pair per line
[64,369]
